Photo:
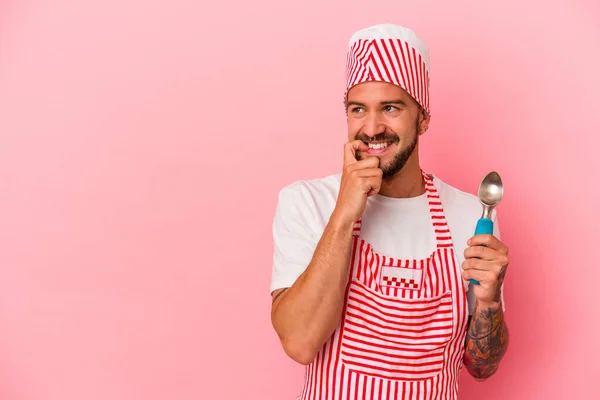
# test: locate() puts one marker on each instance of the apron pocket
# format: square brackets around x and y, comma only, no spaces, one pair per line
[398,339]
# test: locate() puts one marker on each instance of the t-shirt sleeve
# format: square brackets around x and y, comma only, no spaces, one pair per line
[294,237]
[470,294]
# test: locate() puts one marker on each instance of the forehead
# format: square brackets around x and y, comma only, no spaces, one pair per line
[376,92]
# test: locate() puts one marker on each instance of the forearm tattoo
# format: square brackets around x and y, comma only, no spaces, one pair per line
[279,294]
[486,343]
[498,294]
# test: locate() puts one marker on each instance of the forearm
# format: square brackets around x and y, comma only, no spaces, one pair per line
[487,340]
[308,313]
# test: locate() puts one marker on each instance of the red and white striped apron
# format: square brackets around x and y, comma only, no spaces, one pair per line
[403,326]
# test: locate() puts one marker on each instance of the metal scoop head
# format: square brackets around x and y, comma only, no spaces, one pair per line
[490,193]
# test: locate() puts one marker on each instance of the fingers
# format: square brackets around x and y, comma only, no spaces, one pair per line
[482,265]
[350,150]
[482,276]
[368,184]
[370,163]
[374,183]
[487,254]
[490,241]
[369,178]
[364,170]
[474,266]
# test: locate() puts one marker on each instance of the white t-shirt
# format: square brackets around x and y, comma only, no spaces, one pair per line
[395,227]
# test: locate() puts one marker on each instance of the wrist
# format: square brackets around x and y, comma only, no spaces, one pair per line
[340,223]
[488,305]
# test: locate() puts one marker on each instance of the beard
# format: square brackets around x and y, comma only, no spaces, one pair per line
[399,160]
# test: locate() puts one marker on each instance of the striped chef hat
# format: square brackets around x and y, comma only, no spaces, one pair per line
[389,53]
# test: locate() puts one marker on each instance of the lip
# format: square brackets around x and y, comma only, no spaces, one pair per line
[377,152]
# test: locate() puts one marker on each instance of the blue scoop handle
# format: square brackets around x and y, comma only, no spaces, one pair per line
[484,227]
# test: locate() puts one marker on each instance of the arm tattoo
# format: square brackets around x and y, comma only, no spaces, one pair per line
[486,343]
[498,294]
[279,294]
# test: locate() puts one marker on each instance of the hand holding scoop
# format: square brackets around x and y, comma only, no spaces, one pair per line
[490,194]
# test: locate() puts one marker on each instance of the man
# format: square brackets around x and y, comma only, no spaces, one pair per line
[370,280]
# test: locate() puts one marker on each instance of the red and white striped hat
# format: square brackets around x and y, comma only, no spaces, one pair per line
[389,53]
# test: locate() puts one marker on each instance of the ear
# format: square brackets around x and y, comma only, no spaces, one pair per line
[424,120]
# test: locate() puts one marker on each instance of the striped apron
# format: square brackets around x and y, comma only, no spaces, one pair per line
[403,326]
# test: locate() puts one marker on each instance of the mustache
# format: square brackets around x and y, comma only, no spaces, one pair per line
[382,137]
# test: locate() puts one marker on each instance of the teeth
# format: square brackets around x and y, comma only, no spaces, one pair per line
[378,145]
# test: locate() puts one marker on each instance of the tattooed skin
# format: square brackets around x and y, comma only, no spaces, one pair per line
[486,342]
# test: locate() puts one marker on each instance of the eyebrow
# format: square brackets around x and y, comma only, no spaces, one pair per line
[383,103]
[395,101]
[354,103]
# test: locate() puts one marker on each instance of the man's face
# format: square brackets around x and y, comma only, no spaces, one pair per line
[387,119]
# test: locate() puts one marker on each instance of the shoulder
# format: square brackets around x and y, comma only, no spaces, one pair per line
[303,209]
[308,202]
[311,192]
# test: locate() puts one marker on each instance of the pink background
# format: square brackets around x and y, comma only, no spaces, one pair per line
[143,144]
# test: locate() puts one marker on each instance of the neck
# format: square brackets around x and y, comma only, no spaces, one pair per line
[408,182]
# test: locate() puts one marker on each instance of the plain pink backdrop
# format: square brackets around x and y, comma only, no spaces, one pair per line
[143,144]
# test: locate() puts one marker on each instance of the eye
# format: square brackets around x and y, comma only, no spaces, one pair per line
[389,108]
[356,110]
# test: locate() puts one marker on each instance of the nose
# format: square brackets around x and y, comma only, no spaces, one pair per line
[373,125]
